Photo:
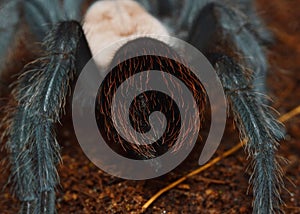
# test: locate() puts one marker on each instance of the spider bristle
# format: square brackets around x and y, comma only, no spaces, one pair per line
[39,99]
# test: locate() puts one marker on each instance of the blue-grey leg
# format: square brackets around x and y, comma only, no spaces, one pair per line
[40,97]
[222,34]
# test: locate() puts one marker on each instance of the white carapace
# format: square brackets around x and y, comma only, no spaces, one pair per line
[112,23]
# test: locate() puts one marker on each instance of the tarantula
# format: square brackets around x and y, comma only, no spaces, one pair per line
[55,41]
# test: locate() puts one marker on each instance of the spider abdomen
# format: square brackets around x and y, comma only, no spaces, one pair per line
[145,55]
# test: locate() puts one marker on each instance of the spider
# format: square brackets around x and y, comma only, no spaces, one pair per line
[50,42]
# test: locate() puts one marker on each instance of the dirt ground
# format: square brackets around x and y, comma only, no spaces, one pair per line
[220,189]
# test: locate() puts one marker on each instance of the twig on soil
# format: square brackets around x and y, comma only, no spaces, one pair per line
[293,208]
[209,180]
[229,152]
[290,114]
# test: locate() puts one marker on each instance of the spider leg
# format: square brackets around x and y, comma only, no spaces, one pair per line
[221,33]
[40,96]
[10,16]
[234,25]
[41,15]
[157,7]
[258,125]
[256,25]
[72,9]
[9,23]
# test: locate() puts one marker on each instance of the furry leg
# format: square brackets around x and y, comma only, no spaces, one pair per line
[258,125]
[222,33]
[40,95]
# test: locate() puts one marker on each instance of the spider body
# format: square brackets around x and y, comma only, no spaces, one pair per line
[231,36]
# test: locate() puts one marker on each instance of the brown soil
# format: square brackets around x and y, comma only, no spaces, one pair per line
[221,189]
